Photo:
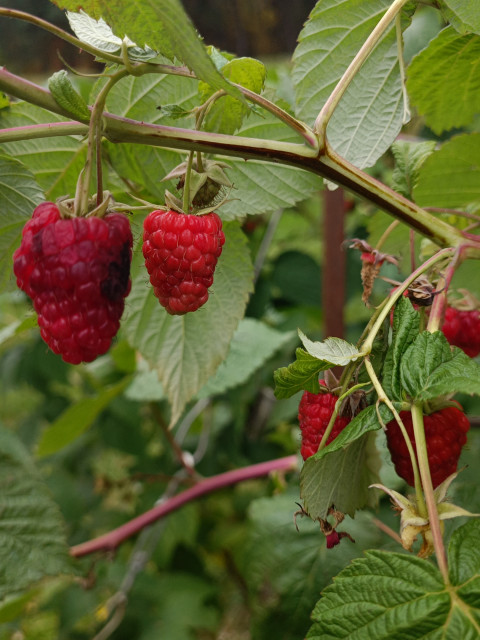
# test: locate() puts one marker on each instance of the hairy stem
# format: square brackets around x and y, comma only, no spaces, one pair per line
[421,446]
[113,539]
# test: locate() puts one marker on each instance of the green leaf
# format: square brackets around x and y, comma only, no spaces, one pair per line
[301,375]
[55,161]
[370,114]
[367,420]
[67,97]
[341,478]
[388,596]
[442,80]
[253,343]
[463,14]
[187,350]
[227,113]
[332,350]
[164,26]
[450,177]
[19,194]
[406,325]
[383,596]
[17,327]
[32,536]
[77,419]
[430,368]
[409,157]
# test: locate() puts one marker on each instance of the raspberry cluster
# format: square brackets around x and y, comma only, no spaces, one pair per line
[462,329]
[181,253]
[77,273]
[445,434]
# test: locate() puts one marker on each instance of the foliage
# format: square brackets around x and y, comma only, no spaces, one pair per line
[205,404]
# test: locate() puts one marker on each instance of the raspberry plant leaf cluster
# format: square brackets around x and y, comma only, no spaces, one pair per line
[142,120]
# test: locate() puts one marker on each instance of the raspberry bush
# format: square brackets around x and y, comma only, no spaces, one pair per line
[161,261]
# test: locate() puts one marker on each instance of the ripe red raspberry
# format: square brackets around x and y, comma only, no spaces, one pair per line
[445,433]
[181,253]
[314,413]
[462,329]
[77,273]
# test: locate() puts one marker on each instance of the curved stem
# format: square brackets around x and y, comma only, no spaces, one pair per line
[344,82]
[421,446]
[113,539]
[186,188]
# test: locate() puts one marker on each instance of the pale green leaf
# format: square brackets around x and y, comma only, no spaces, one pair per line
[370,114]
[429,368]
[450,177]
[163,26]
[77,419]
[409,157]
[227,113]
[17,327]
[443,80]
[187,350]
[54,161]
[463,14]
[253,343]
[32,535]
[341,478]
[66,95]
[145,387]
[19,195]
[299,375]
[332,350]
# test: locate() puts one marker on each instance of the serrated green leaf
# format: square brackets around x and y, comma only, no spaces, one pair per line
[226,114]
[186,350]
[382,596]
[367,420]
[77,419]
[301,375]
[463,14]
[162,25]
[19,194]
[450,177]
[390,595]
[370,114]
[443,80]
[409,157]
[253,343]
[56,161]
[406,325]
[341,478]
[66,95]
[332,350]
[429,368]
[32,536]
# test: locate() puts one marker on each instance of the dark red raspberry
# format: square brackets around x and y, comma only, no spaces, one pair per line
[462,329]
[181,253]
[77,273]
[314,413]
[445,433]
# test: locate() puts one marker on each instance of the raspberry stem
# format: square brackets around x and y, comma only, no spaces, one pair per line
[334,415]
[421,447]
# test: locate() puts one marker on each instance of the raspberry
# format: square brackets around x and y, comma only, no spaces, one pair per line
[77,273]
[445,434]
[181,253]
[314,413]
[462,329]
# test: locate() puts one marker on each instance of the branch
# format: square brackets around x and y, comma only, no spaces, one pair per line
[113,539]
[327,164]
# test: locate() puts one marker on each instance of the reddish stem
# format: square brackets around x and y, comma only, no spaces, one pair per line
[112,539]
[334,263]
